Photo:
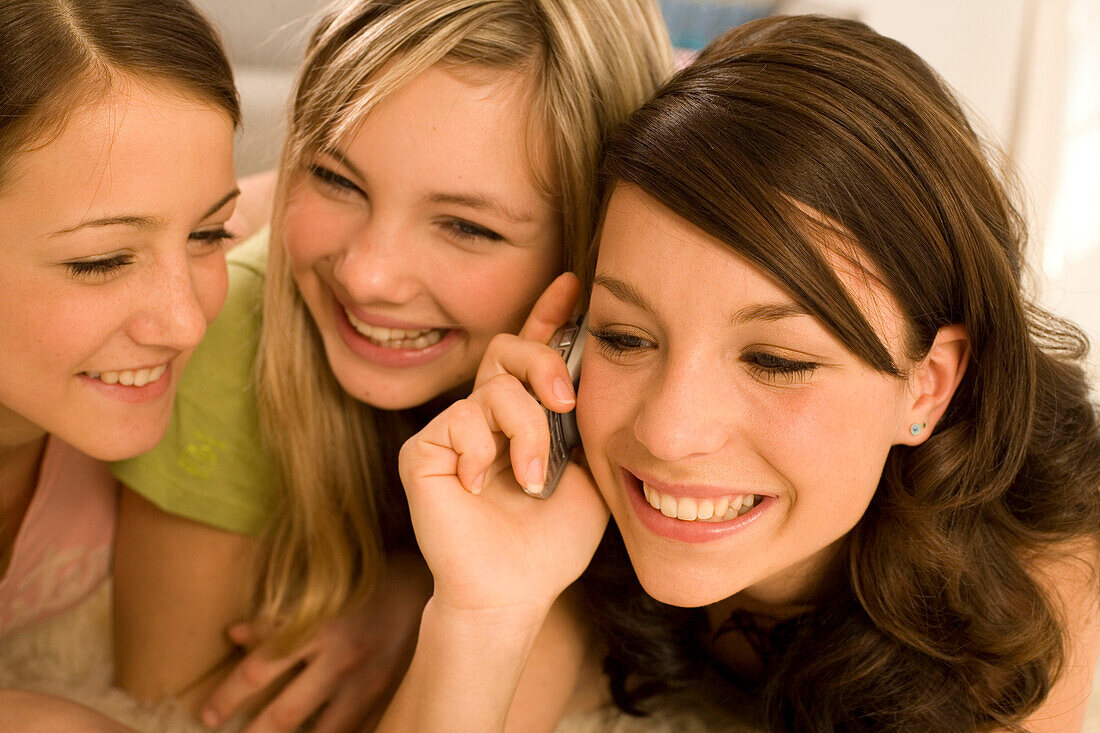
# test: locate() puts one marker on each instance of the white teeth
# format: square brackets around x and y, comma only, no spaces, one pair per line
[129,377]
[396,338]
[668,506]
[721,505]
[689,509]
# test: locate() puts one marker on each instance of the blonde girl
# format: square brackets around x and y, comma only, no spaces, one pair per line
[439,172]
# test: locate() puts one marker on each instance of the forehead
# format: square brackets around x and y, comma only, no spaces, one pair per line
[136,144]
[469,126]
[657,251]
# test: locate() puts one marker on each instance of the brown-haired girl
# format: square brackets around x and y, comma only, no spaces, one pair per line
[854,470]
[116,183]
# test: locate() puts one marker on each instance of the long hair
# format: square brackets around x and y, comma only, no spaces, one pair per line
[592,62]
[58,54]
[790,126]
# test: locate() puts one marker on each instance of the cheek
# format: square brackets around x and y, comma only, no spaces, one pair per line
[211,284]
[496,295]
[313,228]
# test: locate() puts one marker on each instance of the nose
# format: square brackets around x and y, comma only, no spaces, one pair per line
[681,417]
[378,264]
[169,310]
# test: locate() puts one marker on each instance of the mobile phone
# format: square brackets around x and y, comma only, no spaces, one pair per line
[564,436]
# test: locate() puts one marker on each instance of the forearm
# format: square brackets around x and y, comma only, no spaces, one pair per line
[177,585]
[29,712]
[465,670]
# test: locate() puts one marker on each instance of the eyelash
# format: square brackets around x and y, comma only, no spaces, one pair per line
[763,366]
[771,368]
[468,230]
[110,265]
[332,179]
[617,344]
[103,267]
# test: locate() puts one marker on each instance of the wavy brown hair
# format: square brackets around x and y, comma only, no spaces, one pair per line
[934,619]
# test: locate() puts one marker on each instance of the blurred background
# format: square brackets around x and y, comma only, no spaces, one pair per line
[1029,70]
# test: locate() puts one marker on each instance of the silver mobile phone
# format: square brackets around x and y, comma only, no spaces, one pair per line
[564,437]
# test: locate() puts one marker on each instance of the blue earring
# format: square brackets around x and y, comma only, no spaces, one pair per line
[915,428]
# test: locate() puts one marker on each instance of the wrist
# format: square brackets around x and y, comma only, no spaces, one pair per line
[518,624]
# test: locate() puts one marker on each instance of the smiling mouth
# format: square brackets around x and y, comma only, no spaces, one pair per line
[130,377]
[396,338]
[690,509]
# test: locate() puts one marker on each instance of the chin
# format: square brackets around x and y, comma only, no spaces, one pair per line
[683,589]
[105,447]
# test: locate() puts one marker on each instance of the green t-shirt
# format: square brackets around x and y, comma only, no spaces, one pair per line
[211,466]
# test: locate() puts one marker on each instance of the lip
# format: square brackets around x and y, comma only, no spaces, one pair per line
[386,357]
[150,391]
[689,532]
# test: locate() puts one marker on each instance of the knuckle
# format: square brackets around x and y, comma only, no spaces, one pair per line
[285,716]
[252,671]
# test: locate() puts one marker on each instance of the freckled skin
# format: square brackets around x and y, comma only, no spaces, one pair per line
[692,406]
[111,160]
[388,239]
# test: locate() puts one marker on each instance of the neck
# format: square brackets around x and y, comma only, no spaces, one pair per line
[797,590]
[21,446]
[18,478]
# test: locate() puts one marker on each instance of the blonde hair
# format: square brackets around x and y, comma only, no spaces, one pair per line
[592,62]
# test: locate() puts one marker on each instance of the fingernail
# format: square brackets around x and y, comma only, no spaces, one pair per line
[479,482]
[563,390]
[534,478]
[209,718]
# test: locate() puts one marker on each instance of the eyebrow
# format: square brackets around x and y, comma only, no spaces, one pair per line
[766,312]
[624,291]
[468,200]
[144,223]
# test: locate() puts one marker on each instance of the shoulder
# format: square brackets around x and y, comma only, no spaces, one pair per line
[1070,574]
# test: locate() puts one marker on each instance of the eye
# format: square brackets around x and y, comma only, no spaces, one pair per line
[332,180]
[100,268]
[617,344]
[770,368]
[212,238]
[462,229]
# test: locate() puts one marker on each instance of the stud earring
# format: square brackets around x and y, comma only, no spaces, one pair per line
[915,428]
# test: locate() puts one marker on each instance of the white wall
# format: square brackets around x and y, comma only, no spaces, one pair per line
[1029,70]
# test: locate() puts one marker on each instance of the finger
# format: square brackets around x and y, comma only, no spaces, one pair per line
[252,675]
[552,309]
[475,443]
[242,634]
[302,696]
[510,409]
[534,364]
[458,442]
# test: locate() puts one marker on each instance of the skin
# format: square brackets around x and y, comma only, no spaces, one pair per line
[430,216]
[669,385]
[79,293]
[111,259]
[685,361]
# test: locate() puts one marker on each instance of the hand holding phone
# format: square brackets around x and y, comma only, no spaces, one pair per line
[568,341]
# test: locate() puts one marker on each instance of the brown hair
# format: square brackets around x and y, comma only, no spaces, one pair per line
[937,622]
[592,62]
[60,53]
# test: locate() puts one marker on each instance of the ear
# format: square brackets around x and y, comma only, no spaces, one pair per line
[933,382]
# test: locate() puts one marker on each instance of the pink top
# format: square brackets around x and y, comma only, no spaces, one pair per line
[63,549]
